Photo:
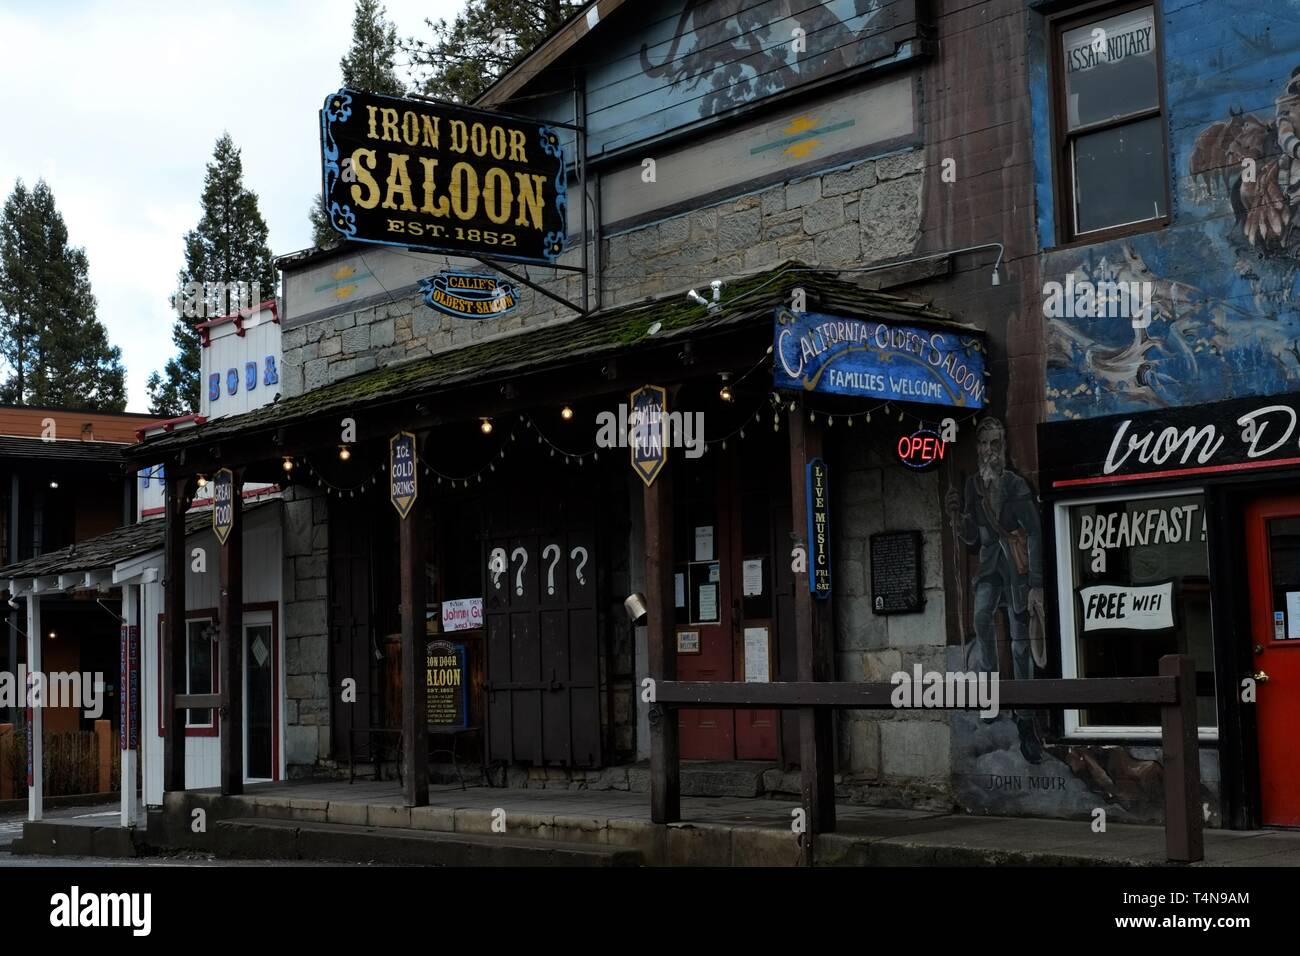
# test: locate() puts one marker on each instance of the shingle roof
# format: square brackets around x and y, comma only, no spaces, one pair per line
[108,549]
[746,302]
[37,448]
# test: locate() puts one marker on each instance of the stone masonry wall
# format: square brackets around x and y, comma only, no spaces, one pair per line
[864,213]
[306,635]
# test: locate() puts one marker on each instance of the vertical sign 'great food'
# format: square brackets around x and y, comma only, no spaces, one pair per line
[441,177]
[223,497]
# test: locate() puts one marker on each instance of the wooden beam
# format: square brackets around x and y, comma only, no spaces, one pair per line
[1184,839]
[661,646]
[200,701]
[415,755]
[877,695]
[173,638]
[813,630]
[230,641]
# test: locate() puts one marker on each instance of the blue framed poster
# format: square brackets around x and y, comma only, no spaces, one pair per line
[869,359]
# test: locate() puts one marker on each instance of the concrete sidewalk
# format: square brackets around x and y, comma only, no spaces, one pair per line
[731,831]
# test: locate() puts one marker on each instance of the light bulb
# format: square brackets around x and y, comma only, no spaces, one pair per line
[566,413]
[485,426]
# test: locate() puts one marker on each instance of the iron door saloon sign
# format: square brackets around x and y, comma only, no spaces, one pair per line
[844,356]
[223,509]
[469,295]
[443,178]
[404,486]
[649,413]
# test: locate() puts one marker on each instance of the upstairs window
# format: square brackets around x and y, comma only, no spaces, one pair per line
[1110,137]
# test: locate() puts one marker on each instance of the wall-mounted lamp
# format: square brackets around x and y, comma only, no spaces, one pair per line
[344,453]
[636,608]
[724,393]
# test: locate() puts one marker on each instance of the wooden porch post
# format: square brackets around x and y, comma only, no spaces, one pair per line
[414,719]
[661,646]
[1184,823]
[35,710]
[173,663]
[129,696]
[813,630]
[230,644]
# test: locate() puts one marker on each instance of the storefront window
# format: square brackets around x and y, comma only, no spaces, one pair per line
[1135,586]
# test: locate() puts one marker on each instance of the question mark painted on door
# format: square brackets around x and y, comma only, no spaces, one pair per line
[577,572]
[497,566]
[516,554]
[550,572]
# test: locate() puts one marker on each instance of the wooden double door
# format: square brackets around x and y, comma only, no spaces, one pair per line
[541,614]
[733,590]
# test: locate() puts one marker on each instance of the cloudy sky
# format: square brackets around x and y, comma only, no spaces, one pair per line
[117,104]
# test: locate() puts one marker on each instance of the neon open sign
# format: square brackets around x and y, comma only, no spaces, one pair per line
[922,449]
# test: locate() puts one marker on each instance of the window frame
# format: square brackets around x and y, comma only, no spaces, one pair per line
[1068,636]
[1063,139]
[212,729]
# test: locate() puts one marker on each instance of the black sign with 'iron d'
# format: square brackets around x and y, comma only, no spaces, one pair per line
[445,685]
[441,177]
[1223,439]
[819,529]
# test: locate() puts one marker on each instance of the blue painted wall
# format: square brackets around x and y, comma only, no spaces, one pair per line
[1226,322]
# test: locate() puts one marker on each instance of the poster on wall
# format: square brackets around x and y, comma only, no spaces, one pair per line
[445,681]
[442,178]
[1128,607]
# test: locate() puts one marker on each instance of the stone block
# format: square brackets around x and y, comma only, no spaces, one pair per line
[293,339]
[881,665]
[913,500]
[856,627]
[382,333]
[674,231]
[304,619]
[841,246]
[823,214]
[889,217]
[862,739]
[690,845]
[851,180]
[739,230]
[761,256]
[442,819]
[356,339]
[772,201]
[904,164]
[388,816]
[345,321]
[763,846]
[331,346]
[926,629]
[297,527]
[352,814]
[298,686]
[300,744]
[803,193]
[315,374]
[914,748]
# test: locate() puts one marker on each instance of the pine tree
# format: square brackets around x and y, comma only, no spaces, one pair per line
[227,249]
[370,66]
[466,56]
[56,349]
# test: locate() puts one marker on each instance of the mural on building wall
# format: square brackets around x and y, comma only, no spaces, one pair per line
[1009,764]
[1223,276]
[695,59]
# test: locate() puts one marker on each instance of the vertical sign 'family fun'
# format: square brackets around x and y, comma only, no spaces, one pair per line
[649,412]
[402,470]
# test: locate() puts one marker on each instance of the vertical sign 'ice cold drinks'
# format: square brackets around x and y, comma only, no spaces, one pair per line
[223,496]
[402,470]
[819,530]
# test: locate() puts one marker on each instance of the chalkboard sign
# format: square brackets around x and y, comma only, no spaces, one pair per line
[445,685]
[896,585]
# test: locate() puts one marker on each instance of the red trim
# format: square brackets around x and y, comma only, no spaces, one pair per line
[1178,472]
[205,328]
[202,502]
[169,424]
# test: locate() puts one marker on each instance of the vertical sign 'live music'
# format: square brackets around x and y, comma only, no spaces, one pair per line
[223,511]
[402,471]
[819,533]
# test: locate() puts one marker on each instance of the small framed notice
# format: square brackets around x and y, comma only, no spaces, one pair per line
[688,642]
[758,656]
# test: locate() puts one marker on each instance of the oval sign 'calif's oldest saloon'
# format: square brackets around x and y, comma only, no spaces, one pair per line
[429,175]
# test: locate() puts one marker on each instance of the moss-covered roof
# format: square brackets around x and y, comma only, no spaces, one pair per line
[611,331]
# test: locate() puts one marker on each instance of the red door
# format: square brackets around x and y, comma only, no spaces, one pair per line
[722,625]
[1273,562]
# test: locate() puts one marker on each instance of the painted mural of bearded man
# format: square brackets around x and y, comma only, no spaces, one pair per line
[999,516]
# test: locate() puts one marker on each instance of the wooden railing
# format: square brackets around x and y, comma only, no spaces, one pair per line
[1174,691]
